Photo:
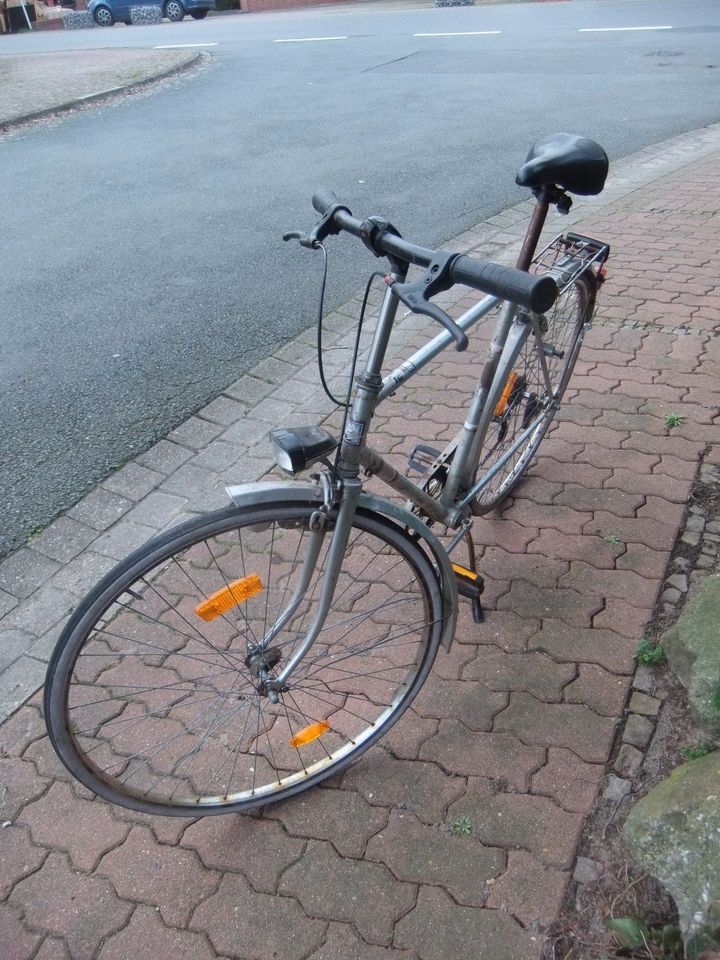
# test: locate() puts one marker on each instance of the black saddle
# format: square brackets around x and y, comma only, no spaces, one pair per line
[566,160]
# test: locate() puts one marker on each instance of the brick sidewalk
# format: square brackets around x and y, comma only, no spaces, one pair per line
[515,725]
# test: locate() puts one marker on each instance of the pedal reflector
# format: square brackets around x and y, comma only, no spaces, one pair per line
[464,572]
[501,405]
[308,734]
[223,600]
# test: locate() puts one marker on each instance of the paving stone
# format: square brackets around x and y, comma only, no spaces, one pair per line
[605,693]
[628,761]
[623,584]
[419,853]
[341,816]
[569,644]
[195,433]
[18,942]
[167,877]
[532,672]
[124,538]
[84,830]
[589,499]
[472,703]
[19,681]
[438,929]
[590,548]
[156,510]
[571,782]
[13,643]
[147,929]
[7,603]
[78,577]
[342,943]
[26,570]
[520,821]
[100,509]
[449,666]
[559,725]
[259,849]
[540,571]
[505,628]
[406,737]
[63,539]
[527,600]
[642,703]
[624,618]
[351,891]
[638,731]
[164,457]
[133,481]
[616,788]
[52,949]
[498,756]
[250,390]
[82,910]
[19,857]
[529,890]
[246,432]
[19,730]
[422,788]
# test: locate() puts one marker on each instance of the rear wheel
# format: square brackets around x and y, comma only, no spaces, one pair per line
[521,398]
[153,699]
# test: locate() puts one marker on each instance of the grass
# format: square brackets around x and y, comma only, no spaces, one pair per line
[612,538]
[461,827]
[674,420]
[695,753]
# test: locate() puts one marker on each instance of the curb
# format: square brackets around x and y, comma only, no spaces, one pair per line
[103,95]
[225,442]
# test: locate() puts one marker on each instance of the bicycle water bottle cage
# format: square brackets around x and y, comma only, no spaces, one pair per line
[416,294]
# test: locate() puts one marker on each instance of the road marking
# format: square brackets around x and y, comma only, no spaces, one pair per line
[307,39]
[174,46]
[617,29]
[465,33]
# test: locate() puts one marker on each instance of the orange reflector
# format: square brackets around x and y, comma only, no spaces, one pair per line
[223,600]
[464,572]
[501,405]
[308,734]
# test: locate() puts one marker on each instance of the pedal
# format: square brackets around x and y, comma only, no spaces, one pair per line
[422,458]
[470,585]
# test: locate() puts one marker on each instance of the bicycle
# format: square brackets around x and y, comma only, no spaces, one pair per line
[255,651]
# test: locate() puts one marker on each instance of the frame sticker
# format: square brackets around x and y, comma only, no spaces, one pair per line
[354,432]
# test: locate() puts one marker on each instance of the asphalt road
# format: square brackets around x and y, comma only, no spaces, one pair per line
[142,265]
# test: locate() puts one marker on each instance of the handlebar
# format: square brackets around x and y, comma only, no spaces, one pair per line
[535,293]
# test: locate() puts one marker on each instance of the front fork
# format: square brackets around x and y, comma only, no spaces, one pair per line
[273,686]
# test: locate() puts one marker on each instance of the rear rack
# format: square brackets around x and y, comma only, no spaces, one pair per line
[568,256]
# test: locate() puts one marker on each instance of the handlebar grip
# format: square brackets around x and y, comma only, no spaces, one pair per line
[532,292]
[323,200]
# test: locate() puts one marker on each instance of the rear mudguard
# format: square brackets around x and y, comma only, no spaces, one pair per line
[251,494]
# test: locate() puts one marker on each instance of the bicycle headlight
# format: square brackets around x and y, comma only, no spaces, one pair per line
[295,448]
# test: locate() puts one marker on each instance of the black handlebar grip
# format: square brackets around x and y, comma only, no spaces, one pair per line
[532,292]
[323,200]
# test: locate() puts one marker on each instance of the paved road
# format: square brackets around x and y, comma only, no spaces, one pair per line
[142,265]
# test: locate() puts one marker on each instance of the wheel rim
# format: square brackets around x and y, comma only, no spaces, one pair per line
[528,400]
[175,11]
[160,708]
[104,17]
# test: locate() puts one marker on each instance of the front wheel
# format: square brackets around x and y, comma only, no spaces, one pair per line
[520,398]
[153,699]
[174,10]
[103,17]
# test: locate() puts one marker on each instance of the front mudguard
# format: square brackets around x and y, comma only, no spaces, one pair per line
[252,494]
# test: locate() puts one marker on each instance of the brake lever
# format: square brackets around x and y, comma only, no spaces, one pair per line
[303,238]
[416,295]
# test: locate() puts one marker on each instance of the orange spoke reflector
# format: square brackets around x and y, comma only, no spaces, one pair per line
[501,405]
[223,600]
[308,734]
[464,572]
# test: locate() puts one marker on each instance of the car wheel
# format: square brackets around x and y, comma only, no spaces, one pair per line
[103,17]
[198,14]
[174,10]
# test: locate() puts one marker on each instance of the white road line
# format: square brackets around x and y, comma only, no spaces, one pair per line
[466,33]
[617,29]
[174,46]
[308,39]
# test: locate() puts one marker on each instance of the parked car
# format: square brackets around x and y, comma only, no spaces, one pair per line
[106,12]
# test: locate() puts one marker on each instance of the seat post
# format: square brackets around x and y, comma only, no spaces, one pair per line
[534,230]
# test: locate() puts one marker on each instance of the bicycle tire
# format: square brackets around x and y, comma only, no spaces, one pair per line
[133,667]
[566,321]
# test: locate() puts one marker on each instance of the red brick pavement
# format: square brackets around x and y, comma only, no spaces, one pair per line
[515,725]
